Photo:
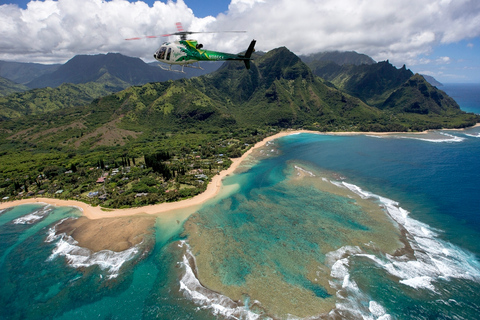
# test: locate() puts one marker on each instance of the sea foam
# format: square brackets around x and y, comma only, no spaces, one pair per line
[34,216]
[351,302]
[78,257]
[473,135]
[450,138]
[219,304]
[304,171]
[434,257]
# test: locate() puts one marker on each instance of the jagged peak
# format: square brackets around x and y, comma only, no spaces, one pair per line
[283,63]
[282,52]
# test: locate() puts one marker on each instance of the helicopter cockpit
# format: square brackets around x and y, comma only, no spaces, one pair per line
[164,52]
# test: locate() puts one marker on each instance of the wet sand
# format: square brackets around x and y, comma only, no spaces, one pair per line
[123,233]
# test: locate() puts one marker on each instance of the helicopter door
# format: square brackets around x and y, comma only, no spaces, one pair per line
[168,54]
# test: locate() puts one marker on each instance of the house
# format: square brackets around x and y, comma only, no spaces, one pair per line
[101,180]
[92,194]
[142,194]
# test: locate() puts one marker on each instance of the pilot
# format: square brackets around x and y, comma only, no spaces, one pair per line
[160,54]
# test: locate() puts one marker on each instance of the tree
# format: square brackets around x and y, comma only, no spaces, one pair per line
[155,161]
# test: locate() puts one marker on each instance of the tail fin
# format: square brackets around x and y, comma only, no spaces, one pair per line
[248,54]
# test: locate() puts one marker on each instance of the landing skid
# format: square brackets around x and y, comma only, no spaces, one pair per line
[162,66]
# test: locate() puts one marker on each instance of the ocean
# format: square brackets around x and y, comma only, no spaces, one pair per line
[311,227]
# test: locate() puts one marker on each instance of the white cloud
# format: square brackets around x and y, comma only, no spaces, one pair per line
[400,31]
[443,60]
[58,30]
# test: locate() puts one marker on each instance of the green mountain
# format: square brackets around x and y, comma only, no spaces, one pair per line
[8,87]
[21,72]
[360,75]
[39,101]
[279,90]
[94,68]
[172,135]
[372,83]
[78,82]
[88,77]
[420,97]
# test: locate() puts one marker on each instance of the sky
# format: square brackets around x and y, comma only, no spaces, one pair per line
[440,38]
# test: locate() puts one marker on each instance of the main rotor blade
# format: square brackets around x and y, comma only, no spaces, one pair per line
[183,34]
[146,37]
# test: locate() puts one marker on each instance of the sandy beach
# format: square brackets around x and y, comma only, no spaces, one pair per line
[193,203]
[169,208]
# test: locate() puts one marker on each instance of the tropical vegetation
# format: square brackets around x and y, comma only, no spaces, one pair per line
[164,141]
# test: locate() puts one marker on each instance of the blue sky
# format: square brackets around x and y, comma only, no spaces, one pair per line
[435,37]
[463,64]
[201,8]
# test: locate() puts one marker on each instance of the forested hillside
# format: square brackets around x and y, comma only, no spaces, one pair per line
[163,141]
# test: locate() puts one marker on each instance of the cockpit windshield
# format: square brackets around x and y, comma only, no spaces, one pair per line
[161,53]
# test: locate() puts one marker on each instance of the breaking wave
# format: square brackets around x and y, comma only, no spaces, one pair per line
[434,258]
[304,171]
[473,135]
[352,302]
[450,138]
[78,257]
[435,137]
[34,216]
[208,299]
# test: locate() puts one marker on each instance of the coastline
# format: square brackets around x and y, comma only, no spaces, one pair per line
[166,208]
[191,204]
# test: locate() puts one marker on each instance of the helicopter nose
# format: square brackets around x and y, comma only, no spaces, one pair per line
[155,55]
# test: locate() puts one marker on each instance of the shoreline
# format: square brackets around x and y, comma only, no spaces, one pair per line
[213,187]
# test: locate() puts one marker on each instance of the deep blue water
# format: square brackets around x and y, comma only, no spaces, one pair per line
[275,237]
[466,94]
[438,182]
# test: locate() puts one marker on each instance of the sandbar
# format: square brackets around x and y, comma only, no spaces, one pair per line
[191,204]
[123,232]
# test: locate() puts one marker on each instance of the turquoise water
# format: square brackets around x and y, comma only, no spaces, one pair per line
[294,237]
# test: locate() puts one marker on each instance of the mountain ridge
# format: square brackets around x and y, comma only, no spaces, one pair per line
[273,80]
[8,87]
[194,125]
[24,72]
[90,68]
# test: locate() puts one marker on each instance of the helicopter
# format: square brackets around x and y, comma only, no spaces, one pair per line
[185,52]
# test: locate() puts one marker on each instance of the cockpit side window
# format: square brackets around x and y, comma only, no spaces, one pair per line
[168,53]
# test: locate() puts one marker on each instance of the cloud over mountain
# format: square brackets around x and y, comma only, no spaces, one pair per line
[54,31]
